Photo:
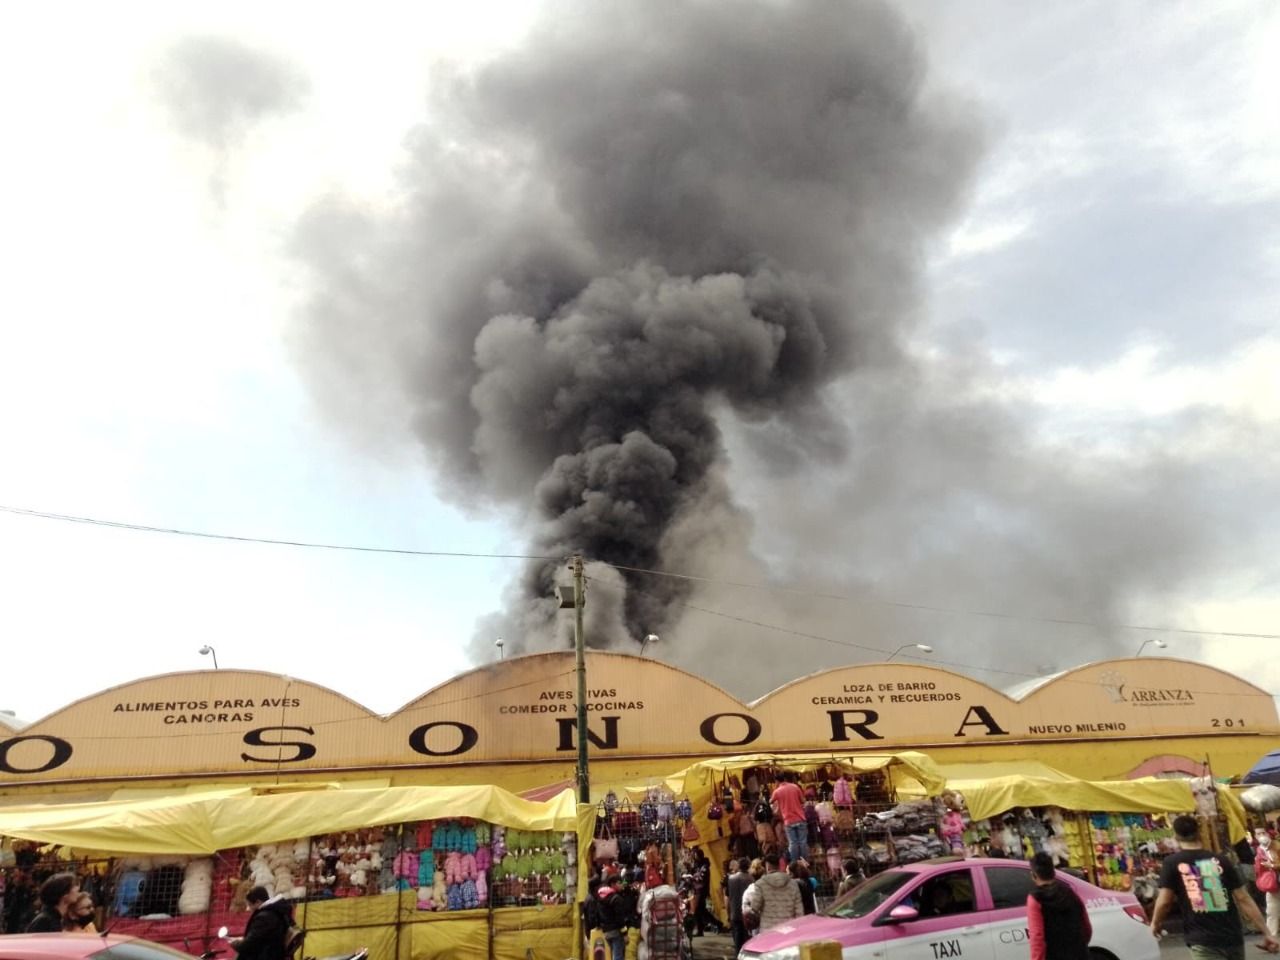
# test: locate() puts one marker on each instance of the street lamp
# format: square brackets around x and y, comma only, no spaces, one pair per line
[208,651]
[573,597]
[922,647]
[1159,643]
[500,645]
[649,638]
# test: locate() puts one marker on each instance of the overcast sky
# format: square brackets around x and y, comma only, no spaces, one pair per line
[1111,283]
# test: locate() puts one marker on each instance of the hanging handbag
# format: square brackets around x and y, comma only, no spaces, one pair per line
[605,846]
[726,797]
[765,835]
[764,811]
[626,821]
[842,794]
[666,805]
[715,811]
[1267,881]
[690,833]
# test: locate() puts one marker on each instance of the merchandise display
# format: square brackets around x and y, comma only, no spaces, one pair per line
[847,817]
[649,834]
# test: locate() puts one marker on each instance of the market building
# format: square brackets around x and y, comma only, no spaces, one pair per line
[513,724]
[449,828]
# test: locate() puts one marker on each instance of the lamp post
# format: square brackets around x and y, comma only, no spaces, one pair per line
[575,597]
[208,651]
[1159,643]
[922,647]
[649,638]
[501,648]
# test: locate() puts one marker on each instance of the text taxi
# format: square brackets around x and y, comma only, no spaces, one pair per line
[953,908]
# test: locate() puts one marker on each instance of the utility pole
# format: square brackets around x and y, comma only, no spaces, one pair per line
[579,647]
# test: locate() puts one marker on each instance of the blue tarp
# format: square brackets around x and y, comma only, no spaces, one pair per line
[1266,770]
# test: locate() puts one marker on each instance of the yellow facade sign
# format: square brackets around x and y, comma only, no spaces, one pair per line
[223,722]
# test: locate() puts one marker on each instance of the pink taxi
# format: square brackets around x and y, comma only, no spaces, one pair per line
[951,907]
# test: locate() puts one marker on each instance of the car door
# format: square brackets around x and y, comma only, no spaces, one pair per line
[948,923]
[1007,887]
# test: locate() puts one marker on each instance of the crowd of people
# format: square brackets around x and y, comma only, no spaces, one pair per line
[65,908]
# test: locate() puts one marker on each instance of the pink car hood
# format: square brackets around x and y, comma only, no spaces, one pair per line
[850,933]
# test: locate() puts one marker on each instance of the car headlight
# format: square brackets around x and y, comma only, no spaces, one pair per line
[786,953]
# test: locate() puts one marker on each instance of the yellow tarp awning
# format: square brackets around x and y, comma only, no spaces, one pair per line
[989,798]
[698,779]
[218,820]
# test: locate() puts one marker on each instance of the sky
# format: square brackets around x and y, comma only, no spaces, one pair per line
[1095,343]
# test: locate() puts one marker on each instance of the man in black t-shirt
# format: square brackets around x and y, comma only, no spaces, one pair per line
[1210,896]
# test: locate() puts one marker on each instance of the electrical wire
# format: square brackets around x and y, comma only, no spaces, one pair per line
[1063,621]
[926,661]
[746,585]
[313,545]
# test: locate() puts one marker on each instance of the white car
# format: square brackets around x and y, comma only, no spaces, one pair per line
[952,907]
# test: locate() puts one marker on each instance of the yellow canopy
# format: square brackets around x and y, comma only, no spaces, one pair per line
[987,798]
[908,764]
[218,820]
[990,797]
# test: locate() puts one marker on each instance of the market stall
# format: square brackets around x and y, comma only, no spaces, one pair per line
[411,872]
[1114,832]
[851,803]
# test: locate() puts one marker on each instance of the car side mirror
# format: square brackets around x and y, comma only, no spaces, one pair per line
[902,914]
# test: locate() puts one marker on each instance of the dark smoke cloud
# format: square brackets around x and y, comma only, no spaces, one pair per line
[648,215]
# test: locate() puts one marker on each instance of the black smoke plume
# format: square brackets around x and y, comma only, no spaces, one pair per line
[647,216]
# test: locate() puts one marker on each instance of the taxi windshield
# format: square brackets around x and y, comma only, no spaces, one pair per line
[865,897]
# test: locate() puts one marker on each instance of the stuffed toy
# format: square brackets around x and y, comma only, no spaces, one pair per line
[426,870]
[390,846]
[1205,795]
[468,866]
[424,835]
[499,843]
[1032,830]
[454,896]
[440,892]
[953,830]
[470,898]
[197,887]
[424,899]
[239,899]
[452,868]
[483,858]
[482,891]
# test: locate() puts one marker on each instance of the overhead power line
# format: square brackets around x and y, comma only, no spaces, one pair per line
[925,661]
[746,585]
[933,608]
[309,544]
